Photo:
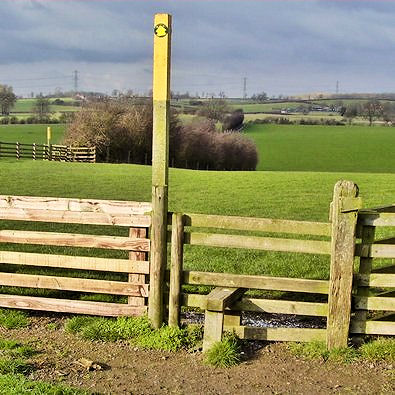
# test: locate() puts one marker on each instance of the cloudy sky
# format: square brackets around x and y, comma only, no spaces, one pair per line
[280,46]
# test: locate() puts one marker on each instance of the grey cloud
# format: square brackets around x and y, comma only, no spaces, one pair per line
[277,44]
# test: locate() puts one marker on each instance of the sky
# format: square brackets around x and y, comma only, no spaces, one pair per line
[284,47]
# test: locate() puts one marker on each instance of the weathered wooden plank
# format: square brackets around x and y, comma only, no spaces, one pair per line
[213,326]
[278,334]
[258,224]
[377,219]
[256,282]
[282,307]
[220,298]
[73,284]
[375,250]
[258,243]
[115,207]
[264,305]
[365,267]
[373,327]
[74,240]
[177,251]
[344,221]
[374,303]
[136,256]
[75,262]
[384,280]
[70,306]
[76,217]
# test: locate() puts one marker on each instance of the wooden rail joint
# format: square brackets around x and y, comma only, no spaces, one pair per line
[217,301]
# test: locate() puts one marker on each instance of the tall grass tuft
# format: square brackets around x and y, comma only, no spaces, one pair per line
[225,353]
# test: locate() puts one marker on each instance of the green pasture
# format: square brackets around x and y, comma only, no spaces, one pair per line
[360,149]
[26,106]
[267,107]
[288,195]
[28,134]
[298,116]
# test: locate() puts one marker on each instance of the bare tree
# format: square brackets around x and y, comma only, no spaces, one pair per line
[372,110]
[7,99]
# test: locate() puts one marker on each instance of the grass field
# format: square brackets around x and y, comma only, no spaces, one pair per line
[29,134]
[26,106]
[360,149]
[290,195]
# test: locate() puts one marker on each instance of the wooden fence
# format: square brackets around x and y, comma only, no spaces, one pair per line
[134,267]
[228,299]
[51,152]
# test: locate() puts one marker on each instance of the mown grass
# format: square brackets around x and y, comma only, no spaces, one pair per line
[288,195]
[28,134]
[26,106]
[361,149]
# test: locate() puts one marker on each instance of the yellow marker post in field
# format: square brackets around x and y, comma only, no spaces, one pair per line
[160,165]
[49,135]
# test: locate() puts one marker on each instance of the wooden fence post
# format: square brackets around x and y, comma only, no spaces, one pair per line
[17,151]
[160,165]
[177,249]
[137,256]
[344,208]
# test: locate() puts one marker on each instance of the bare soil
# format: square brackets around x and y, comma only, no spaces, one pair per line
[268,368]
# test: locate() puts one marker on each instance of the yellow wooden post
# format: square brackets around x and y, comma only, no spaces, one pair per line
[160,165]
[48,135]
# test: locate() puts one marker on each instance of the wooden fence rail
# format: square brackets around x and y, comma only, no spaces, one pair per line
[50,152]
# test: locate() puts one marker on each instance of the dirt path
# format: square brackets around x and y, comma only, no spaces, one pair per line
[127,370]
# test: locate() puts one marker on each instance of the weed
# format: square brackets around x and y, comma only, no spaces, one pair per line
[376,350]
[17,384]
[311,350]
[225,353]
[381,349]
[12,319]
[9,365]
[166,339]
[52,326]
[136,329]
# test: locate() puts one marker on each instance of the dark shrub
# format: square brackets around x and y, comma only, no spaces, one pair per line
[122,131]
[234,121]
